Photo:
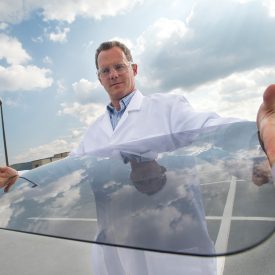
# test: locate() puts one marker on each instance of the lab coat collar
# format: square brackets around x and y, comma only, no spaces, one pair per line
[106,124]
[134,105]
[135,102]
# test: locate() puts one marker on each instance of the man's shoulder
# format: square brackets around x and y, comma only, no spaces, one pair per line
[165,98]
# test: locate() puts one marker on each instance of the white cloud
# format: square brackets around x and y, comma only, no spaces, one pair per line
[17,75]
[237,95]
[87,113]
[24,78]
[173,55]
[3,26]
[60,35]
[270,5]
[159,50]
[191,14]
[77,133]
[12,102]
[161,33]
[89,92]
[124,40]
[63,185]
[60,144]
[11,50]
[47,60]
[86,109]
[61,88]
[84,87]
[38,39]
[244,1]
[44,151]
[14,11]
[167,30]
[68,10]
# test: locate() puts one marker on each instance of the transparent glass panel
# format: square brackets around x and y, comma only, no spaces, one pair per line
[203,192]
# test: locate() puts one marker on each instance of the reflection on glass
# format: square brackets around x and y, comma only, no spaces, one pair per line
[148,177]
[200,192]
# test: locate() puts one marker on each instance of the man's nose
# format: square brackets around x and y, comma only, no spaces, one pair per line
[113,73]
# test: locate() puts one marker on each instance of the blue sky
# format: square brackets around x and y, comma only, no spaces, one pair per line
[219,54]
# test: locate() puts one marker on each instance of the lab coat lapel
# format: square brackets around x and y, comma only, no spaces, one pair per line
[134,105]
[106,125]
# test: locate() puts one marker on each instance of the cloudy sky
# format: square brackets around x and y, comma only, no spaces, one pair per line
[219,54]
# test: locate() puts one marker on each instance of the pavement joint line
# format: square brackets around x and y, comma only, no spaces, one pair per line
[222,181]
[223,234]
[240,218]
[63,219]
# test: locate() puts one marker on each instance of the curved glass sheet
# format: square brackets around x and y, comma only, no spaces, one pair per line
[205,192]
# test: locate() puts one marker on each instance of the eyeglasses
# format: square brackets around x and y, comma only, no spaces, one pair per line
[119,68]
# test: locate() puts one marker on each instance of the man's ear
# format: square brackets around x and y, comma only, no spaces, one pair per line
[135,68]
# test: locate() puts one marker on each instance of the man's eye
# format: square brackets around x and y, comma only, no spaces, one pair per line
[105,71]
[119,67]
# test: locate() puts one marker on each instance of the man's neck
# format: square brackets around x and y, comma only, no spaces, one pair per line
[116,103]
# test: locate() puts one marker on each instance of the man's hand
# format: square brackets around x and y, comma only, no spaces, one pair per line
[266,122]
[8,177]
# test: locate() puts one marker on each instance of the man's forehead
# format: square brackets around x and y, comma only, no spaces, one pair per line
[111,56]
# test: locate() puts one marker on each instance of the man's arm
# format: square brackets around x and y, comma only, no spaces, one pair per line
[266,123]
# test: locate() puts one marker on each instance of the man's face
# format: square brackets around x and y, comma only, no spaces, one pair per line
[117,83]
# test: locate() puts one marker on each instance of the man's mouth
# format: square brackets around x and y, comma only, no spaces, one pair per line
[117,83]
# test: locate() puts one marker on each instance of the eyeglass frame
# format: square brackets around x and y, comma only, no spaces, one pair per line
[99,71]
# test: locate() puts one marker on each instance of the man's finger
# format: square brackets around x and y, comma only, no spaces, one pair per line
[266,122]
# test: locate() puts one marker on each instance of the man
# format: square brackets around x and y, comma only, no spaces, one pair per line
[131,116]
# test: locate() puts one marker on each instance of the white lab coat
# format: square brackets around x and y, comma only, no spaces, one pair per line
[109,260]
[125,204]
[145,117]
